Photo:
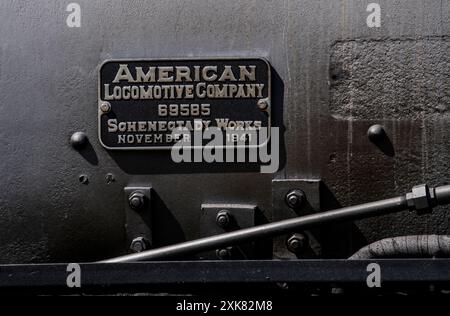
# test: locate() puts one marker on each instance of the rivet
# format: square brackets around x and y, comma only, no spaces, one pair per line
[376,133]
[78,140]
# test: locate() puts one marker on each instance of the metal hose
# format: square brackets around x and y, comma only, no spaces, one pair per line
[416,246]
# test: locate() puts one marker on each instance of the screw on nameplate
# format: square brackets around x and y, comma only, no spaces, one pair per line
[105,107]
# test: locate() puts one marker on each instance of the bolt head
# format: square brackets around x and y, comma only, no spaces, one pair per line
[296,242]
[136,200]
[78,140]
[223,219]
[262,105]
[105,107]
[139,244]
[223,253]
[295,198]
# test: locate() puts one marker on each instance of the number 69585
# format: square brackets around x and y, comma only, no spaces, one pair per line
[184,110]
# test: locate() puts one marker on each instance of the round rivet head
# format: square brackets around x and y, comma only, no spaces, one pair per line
[78,140]
[376,133]
[136,200]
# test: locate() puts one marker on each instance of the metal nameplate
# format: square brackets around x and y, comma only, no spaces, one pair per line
[142,103]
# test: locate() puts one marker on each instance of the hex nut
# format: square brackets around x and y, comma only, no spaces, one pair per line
[420,198]
[136,200]
[296,242]
[139,244]
[295,198]
[223,219]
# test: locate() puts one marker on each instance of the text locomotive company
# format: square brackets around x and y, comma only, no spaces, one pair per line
[183,82]
[184,98]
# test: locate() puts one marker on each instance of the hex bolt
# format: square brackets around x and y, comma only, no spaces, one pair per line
[136,200]
[224,253]
[295,198]
[262,104]
[296,242]
[105,107]
[223,219]
[78,140]
[139,244]
[376,133]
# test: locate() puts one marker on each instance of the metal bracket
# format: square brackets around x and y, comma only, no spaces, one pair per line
[330,221]
[326,241]
[219,218]
[138,222]
[282,191]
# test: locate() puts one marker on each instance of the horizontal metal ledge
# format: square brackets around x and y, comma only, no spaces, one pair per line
[195,272]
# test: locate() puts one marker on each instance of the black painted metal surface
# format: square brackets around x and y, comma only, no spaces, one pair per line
[333,78]
[119,276]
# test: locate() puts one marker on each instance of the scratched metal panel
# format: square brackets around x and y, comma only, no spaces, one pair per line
[48,84]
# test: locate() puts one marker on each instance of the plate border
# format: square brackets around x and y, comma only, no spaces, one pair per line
[269,97]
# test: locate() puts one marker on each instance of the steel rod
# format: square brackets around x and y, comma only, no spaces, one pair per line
[392,205]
